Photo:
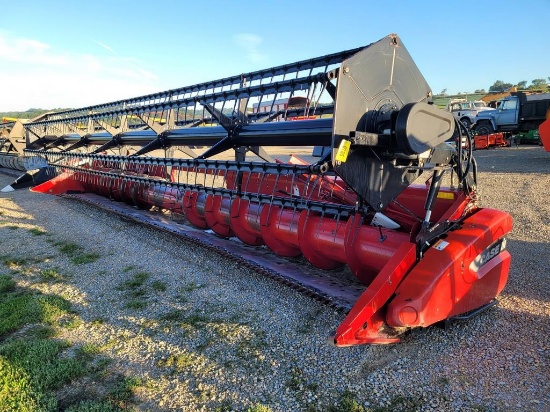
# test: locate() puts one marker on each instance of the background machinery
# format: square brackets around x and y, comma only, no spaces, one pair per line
[387,216]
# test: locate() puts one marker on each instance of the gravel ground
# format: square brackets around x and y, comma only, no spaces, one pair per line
[203,334]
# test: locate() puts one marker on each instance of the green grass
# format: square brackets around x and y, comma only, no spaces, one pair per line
[84,258]
[191,286]
[123,391]
[19,309]
[258,408]
[31,367]
[35,366]
[51,275]
[402,404]
[76,253]
[347,402]
[135,281]
[70,321]
[172,316]
[296,380]
[136,304]
[194,320]
[15,262]
[178,362]
[93,406]
[37,232]
[68,248]
[7,284]
[98,321]
[135,290]
[88,350]
[158,285]
[225,406]
[38,367]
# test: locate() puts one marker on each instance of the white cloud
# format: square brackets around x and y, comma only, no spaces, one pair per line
[21,50]
[250,44]
[36,74]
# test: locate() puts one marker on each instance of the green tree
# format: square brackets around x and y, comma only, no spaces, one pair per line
[500,86]
[522,85]
[538,84]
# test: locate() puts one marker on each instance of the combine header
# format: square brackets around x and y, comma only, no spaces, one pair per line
[386,213]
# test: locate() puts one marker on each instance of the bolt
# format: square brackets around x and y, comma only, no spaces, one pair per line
[346,69]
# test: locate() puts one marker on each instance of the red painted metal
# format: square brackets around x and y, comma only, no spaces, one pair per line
[163,196]
[322,240]
[365,321]
[444,284]
[401,290]
[279,229]
[193,206]
[368,249]
[245,221]
[216,212]
[490,140]
[544,132]
[59,185]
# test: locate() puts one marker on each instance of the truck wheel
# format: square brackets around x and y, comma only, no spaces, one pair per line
[484,128]
[466,122]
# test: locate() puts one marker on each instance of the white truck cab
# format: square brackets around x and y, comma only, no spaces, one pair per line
[466,111]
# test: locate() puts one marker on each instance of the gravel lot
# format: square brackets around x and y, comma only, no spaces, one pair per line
[203,334]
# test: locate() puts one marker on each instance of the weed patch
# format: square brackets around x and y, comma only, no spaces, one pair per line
[68,248]
[35,368]
[135,290]
[76,253]
[258,408]
[51,275]
[172,316]
[178,362]
[7,284]
[135,281]
[158,285]
[15,263]
[84,258]
[93,406]
[136,304]
[123,392]
[19,309]
[192,286]
[37,232]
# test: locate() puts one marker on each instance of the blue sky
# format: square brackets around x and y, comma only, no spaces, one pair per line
[75,53]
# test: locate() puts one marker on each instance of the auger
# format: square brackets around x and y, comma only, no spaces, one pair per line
[385,209]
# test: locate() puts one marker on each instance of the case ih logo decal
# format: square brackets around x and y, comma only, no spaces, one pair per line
[488,254]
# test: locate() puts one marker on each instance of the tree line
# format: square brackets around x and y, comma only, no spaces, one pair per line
[28,114]
[536,84]
[501,86]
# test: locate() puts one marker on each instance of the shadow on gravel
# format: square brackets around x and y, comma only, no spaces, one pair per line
[530,270]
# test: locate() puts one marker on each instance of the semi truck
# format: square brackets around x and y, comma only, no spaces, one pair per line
[518,113]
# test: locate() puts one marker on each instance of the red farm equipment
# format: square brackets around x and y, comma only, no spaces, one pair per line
[387,217]
[544,132]
[485,141]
